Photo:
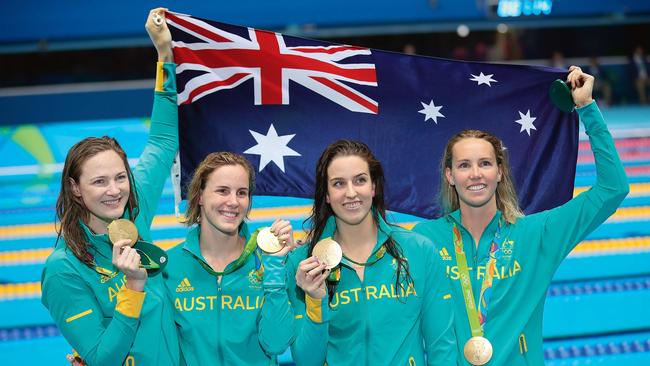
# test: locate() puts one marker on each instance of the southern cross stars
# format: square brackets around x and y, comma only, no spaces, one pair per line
[431,111]
[526,122]
[483,79]
[271,148]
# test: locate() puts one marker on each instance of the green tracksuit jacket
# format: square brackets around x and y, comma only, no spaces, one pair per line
[106,323]
[531,252]
[366,324]
[245,320]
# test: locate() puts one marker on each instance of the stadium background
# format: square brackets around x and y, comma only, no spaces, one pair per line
[75,69]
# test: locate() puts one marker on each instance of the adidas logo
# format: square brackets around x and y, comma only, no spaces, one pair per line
[444,254]
[184,286]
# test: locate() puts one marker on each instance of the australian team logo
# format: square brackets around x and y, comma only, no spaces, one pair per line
[393,264]
[506,249]
[255,277]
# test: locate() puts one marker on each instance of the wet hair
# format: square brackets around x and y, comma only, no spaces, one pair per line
[506,195]
[71,209]
[322,210]
[211,163]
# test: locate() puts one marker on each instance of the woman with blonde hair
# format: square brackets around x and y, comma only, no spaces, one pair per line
[501,262]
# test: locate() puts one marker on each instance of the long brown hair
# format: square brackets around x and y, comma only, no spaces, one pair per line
[211,163]
[506,195]
[321,210]
[70,209]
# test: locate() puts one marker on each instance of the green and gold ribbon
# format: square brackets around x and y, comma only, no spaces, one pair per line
[249,249]
[477,315]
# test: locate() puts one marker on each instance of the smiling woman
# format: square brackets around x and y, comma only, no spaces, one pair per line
[501,260]
[96,189]
[388,297]
[220,282]
[477,174]
[350,190]
[97,292]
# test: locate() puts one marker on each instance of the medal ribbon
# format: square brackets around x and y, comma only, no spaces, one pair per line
[379,253]
[477,315]
[249,249]
[151,263]
[335,275]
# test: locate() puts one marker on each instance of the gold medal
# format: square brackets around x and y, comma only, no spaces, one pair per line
[268,242]
[478,351]
[329,252]
[122,229]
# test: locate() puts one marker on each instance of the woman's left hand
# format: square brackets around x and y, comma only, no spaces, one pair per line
[284,232]
[582,85]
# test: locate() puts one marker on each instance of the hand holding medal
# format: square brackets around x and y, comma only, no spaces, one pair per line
[313,271]
[129,251]
[276,239]
[576,91]
[122,229]
[328,252]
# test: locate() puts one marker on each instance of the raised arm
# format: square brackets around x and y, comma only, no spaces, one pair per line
[567,225]
[156,160]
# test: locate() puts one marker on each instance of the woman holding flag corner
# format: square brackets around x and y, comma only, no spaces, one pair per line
[106,306]
[229,296]
[502,262]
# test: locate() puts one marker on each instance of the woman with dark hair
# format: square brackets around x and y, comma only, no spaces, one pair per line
[102,301]
[230,297]
[388,302]
[501,260]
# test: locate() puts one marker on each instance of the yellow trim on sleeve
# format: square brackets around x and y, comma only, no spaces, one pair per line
[129,302]
[314,311]
[80,315]
[160,77]
[447,297]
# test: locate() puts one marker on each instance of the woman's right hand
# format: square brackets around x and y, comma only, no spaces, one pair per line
[160,35]
[127,261]
[311,276]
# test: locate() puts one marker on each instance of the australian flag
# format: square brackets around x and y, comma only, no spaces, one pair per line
[280,100]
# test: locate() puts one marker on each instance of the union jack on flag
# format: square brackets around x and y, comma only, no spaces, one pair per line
[225,60]
[280,100]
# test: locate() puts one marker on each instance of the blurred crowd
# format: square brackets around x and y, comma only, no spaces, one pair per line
[620,79]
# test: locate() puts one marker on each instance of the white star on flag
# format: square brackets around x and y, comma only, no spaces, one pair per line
[431,111]
[483,79]
[526,122]
[271,148]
